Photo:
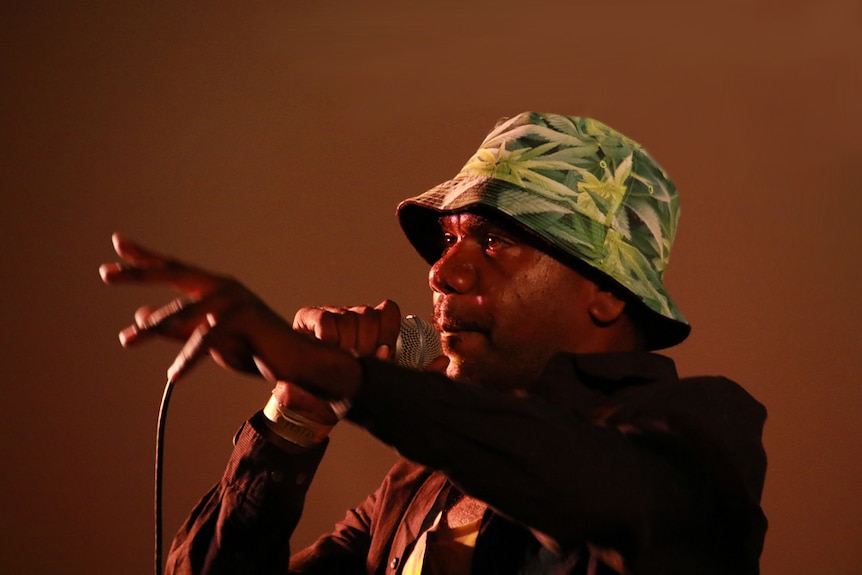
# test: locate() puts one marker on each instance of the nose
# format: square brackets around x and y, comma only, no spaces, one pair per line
[454,272]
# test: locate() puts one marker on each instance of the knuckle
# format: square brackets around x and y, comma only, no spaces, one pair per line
[142,313]
[301,314]
[306,319]
[363,310]
[389,306]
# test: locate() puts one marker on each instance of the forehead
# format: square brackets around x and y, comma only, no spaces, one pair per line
[473,222]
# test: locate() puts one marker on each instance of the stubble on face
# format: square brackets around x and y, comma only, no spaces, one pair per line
[504,337]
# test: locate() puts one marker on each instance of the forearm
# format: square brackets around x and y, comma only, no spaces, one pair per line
[525,461]
[547,467]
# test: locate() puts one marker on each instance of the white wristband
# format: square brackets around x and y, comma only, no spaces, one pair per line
[292,426]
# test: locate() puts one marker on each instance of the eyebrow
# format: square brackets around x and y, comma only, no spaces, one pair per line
[483,223]
[475,222]
[446,217]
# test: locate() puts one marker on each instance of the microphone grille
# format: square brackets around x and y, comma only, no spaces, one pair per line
[418,343]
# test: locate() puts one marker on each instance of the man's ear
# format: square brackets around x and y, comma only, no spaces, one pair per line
[605,308]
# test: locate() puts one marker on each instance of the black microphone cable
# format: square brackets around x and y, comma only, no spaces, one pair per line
[160,457]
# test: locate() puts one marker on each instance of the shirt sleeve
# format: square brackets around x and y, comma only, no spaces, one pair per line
[244,523]
[671,469]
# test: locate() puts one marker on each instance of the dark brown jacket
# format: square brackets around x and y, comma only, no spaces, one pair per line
[612,457]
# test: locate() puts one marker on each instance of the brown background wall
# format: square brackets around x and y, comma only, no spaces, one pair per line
[272,140]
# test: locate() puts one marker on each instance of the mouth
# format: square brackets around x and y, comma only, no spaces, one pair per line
[461,338]
[457,323]
[455,326]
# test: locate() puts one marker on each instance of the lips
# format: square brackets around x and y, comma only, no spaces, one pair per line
[461,329]
[451,319]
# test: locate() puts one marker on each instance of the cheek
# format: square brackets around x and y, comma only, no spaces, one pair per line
[547,308]
[526,314]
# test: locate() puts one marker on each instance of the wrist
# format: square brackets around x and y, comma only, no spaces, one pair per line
[293,426]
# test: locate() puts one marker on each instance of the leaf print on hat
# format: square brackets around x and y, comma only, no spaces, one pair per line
[585,188]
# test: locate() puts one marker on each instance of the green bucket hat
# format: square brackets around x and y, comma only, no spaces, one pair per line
[581,187]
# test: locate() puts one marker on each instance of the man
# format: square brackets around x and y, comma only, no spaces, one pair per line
[556,442]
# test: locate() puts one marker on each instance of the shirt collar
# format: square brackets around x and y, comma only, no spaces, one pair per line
[604,372]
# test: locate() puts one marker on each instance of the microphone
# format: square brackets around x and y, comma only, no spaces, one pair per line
[418,343]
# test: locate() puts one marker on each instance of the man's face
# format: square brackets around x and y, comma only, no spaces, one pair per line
[504,307]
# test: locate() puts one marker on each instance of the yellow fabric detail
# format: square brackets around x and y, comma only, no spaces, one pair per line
[444,551]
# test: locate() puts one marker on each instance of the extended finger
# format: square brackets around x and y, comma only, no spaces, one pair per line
[142,265]
[191,352]
[134,253]
[182,277]
[177,312]
[135,259]
[133,334]
[179,318]
[176,320]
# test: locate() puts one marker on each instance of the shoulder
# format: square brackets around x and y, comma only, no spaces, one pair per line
[720,396]
[706,413]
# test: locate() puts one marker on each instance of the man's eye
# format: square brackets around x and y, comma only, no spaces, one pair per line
[493,242]
[449,240]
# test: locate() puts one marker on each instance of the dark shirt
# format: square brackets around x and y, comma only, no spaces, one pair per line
[611,460]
